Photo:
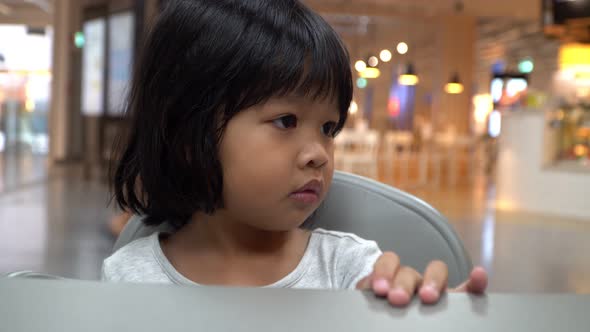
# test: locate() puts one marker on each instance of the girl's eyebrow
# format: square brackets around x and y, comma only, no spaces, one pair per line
[293,103]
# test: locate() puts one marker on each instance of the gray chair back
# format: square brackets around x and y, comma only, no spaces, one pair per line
[397,221]
[32,275]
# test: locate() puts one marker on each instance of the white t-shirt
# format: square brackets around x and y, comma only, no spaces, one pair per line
[332,260]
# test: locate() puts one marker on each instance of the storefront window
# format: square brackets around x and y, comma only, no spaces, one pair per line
[572,122]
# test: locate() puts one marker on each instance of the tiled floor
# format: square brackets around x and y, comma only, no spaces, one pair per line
[59,227]
[21,168]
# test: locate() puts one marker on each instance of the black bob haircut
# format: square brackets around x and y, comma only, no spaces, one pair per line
[202,63]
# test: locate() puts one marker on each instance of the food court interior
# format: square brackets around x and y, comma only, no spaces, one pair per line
[480,108]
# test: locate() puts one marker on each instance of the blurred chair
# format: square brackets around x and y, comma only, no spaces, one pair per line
[452,151]
[396,220]
[424,149]
[357,152]
[342,144]
[462,152]
[397,150]
[440,153]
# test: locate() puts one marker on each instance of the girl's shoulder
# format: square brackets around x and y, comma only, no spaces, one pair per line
[341,238]
[340,257]
[141,247]
[344,245]
[133,262]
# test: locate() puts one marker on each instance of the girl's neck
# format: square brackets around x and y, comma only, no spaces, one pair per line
[215,251]
[232,238]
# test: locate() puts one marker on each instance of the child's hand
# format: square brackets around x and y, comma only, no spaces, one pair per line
[400,283]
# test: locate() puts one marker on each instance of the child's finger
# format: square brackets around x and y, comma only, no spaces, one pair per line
[477,283]
[435,282]
[365,283]
[460,289]
[407,280]
[384,272]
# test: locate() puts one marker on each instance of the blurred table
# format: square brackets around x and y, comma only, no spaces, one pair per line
[67,306]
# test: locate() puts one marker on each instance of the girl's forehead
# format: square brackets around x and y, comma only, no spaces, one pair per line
[303,103]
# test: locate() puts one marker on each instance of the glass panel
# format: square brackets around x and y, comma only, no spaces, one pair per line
[93,63]
[121,41]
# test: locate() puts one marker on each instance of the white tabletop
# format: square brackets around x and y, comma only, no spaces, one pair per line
[64,306]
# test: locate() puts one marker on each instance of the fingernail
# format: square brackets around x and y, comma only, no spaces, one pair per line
[432,289]
[399,297]
[399,291]
[431,285]
[380,284]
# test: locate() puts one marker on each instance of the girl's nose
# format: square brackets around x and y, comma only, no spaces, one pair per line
[314,155]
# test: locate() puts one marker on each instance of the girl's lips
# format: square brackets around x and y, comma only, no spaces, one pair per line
[312,186]
[308,193]
[307,197]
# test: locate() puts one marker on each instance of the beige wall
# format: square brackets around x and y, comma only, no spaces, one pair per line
[456,40]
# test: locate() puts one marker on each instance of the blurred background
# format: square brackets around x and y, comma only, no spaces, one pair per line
[481,108]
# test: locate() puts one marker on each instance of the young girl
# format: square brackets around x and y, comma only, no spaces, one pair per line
[234,107]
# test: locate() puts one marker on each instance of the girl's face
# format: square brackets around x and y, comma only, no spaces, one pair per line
[278,162]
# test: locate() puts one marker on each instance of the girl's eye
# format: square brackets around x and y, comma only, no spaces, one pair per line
[329,129]
[286,122]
